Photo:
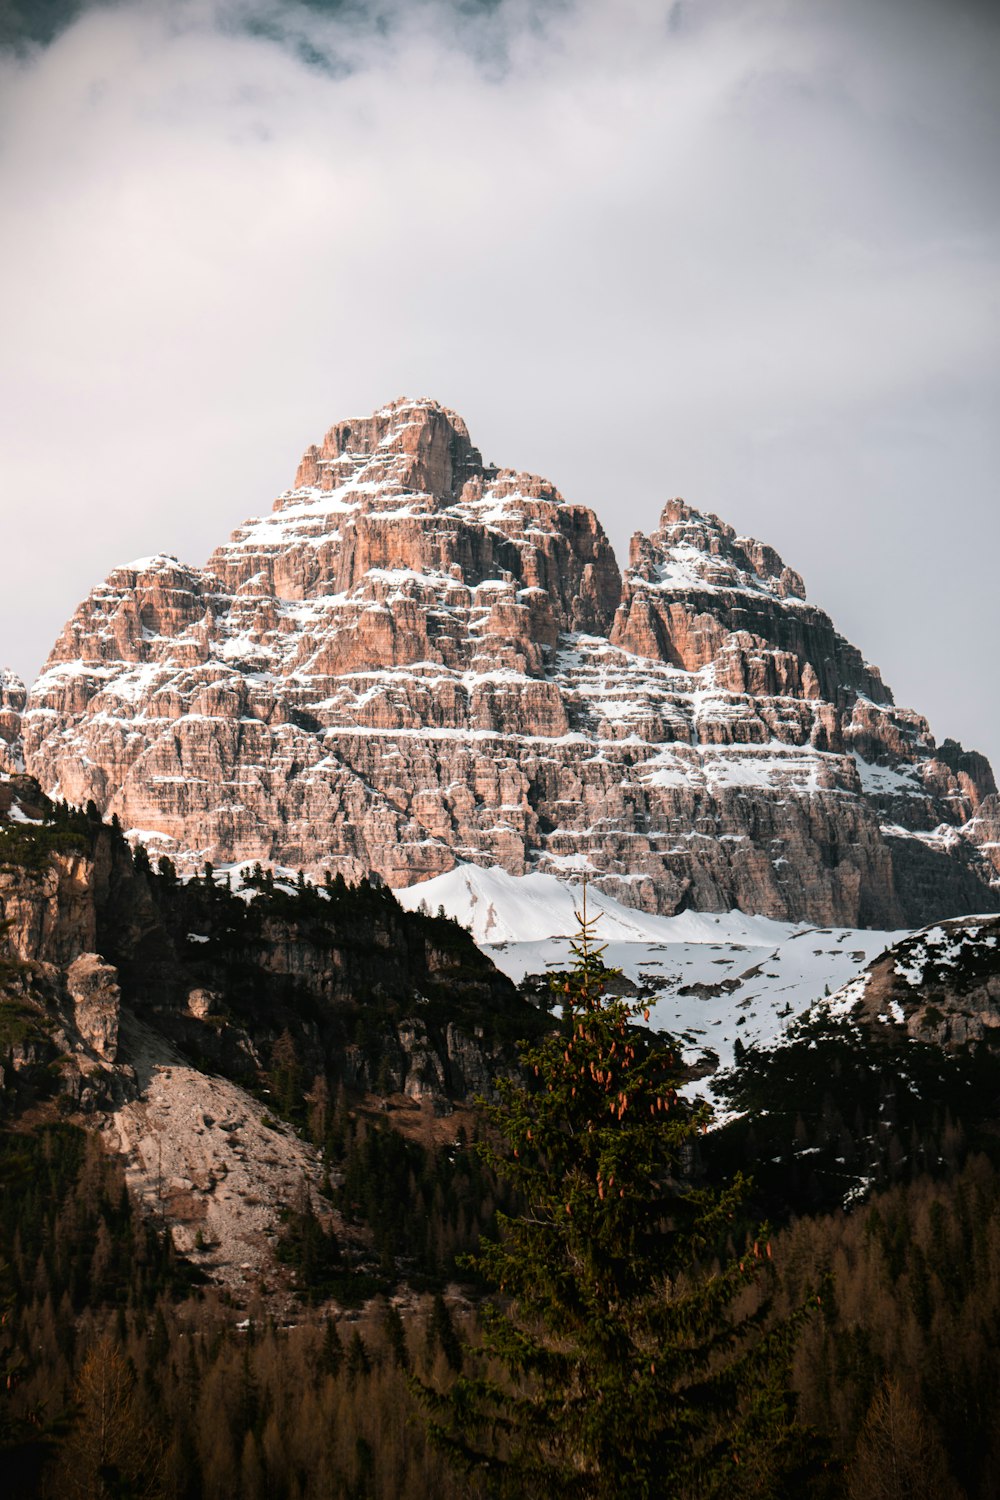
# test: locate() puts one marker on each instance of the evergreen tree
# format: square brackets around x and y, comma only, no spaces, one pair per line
[331,1355]
[357,1361]
[622,1360]
[286,1075]
[441,1334]
[394,1332]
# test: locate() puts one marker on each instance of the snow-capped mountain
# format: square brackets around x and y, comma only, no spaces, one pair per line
[418,660]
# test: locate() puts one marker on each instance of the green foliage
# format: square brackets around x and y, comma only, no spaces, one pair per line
[30,846]
[625,1361]
[835,1111]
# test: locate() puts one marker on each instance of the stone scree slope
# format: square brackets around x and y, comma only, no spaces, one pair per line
[417,659]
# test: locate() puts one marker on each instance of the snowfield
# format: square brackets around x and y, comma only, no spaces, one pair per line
[711,978]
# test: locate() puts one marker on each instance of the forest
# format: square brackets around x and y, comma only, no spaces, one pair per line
[817,1276]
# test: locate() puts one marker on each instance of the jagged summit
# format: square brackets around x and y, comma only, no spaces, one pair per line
[416,659]
[406,447]
[411,449]
[694,589]
[12,691]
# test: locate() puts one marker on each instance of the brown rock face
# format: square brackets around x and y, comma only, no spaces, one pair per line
[49,913]
[941,985]
[96,996]
[984,829]
[416,659]
[697,594]
[12,700]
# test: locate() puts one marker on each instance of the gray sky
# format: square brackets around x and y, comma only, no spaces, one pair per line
[744,251]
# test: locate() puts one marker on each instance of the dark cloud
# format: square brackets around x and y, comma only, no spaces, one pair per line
[28,23]
[300,26]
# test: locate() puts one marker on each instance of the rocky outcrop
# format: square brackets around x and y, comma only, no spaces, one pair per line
[88,937]
[203,1157]
[423,1073]
[983,829]
[181,1019]
[940,985]
[418,659]
[13,697]
[696,594]
[96,996]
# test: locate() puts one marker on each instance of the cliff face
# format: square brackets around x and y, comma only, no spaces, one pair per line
[12,700]
[941,985]
[368,993]
[168,1014]
[417,659]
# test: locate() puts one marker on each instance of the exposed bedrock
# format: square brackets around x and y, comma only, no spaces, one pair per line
[416,658]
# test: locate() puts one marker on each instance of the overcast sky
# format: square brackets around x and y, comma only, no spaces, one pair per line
[743,251]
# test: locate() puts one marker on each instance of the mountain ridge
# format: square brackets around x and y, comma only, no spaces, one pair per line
[417,659]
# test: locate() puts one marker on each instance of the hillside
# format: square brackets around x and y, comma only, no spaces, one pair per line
[231,1047]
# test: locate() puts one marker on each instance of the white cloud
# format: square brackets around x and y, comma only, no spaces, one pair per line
[746,251]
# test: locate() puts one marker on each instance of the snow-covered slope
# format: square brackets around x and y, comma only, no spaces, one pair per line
[501,908]
[711,977]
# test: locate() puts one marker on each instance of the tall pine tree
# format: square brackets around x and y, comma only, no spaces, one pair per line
[621,1357]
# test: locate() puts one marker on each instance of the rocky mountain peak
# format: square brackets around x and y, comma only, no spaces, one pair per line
[694,550]
[406,447]
[695,593]
[13,693]
[416,660]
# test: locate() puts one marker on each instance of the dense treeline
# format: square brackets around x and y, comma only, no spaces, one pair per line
[900,1369]
[245,947]
[109,1363]
[913,1307]
[72,1247]
[187,1404]
[425,1208]
[422,1211]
